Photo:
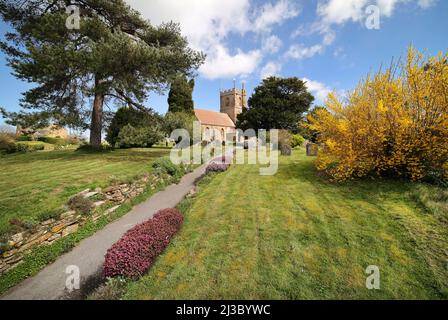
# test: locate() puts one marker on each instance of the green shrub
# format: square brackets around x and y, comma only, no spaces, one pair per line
[133,117]
[176,120]
[30,146]
[55,141]
[145,137]
[24,138]
[297,141]
[164,165]
[80,204]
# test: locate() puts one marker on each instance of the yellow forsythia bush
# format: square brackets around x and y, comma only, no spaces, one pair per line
[394,123]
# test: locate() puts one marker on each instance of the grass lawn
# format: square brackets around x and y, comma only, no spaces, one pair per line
[33,185]
[296,236]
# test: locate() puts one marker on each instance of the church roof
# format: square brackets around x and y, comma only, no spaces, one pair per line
[213,118]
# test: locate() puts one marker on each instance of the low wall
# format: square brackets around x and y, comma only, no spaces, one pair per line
[47,232]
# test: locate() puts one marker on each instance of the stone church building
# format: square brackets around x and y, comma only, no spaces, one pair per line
[219,125]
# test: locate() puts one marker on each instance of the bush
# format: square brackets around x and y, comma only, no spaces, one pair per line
[24,138]
[145,137]
[177,120]
[305,129]
[164,165]
[137,250]
[216,167]
[55,141]
[220,164]
[7,143]
[80,204]
[130,117]
[395,123]
[29,146]
[297,141]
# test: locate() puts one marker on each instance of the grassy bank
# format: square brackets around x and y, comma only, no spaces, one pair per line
[33,185]
[44,255]
[296,236]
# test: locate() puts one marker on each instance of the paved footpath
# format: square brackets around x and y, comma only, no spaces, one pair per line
[88,255]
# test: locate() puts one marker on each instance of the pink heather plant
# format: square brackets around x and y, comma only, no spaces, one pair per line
[216,167]
[137,250]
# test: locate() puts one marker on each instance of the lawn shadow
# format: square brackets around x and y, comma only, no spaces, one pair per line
[369,189]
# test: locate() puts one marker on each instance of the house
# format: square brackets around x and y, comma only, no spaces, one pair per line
[52,131]
[220,125]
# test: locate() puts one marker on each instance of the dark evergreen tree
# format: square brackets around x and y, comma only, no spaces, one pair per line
[278,103]
[114,57]
[128,116]
[180,98]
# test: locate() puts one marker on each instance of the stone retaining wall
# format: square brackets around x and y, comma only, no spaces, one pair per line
[47,232]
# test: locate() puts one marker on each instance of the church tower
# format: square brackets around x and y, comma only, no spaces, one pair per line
[233,102]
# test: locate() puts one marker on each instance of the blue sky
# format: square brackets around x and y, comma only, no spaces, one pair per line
[325,42]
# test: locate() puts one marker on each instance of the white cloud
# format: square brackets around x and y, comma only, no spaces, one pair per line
[203,22]
[339,53]
[342,11]
[301,52]
[319,89]
[272,14]
[338,12]
[426,3]
[224,65]
[272,44]
[270,69]
[208,23]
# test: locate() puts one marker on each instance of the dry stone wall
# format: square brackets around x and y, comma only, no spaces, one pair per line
[47,232]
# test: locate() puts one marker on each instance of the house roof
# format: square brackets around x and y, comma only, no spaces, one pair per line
[214,118]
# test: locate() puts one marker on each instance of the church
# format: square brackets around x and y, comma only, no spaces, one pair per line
[219,125]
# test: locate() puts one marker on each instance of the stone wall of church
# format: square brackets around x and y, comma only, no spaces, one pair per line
[212,133]
[233,102]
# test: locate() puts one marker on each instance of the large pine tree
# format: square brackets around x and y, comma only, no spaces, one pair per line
[115,56]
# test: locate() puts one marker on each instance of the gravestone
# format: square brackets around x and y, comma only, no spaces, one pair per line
[311,149]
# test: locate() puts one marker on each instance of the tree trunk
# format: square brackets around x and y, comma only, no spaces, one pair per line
[96,126]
